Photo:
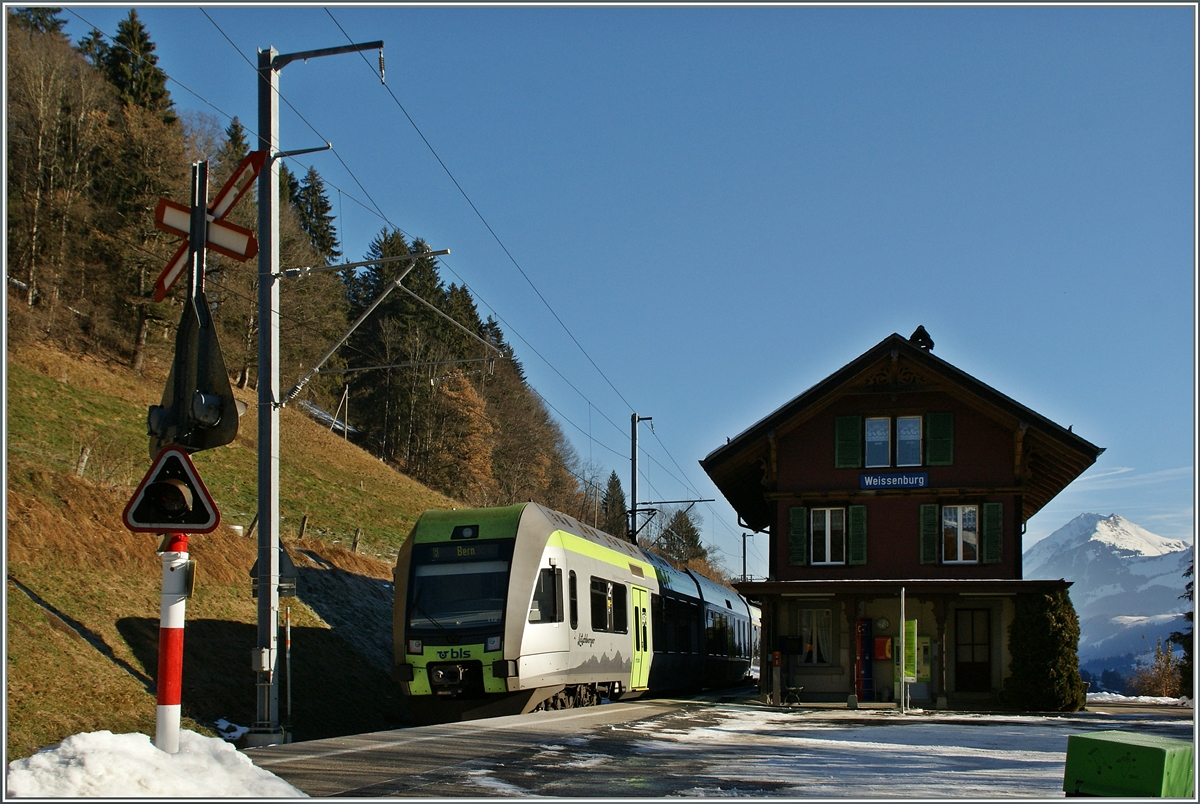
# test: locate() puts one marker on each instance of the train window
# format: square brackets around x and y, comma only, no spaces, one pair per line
[459,595]
[574,596]
[620,622]
[546,606]
[610,610]
[601,605]
[656,617]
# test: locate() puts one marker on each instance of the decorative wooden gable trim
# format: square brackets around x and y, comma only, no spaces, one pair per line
[896,374]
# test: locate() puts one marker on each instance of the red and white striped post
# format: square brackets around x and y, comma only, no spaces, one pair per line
[170,641]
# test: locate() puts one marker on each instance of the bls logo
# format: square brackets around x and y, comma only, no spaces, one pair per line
[454,653]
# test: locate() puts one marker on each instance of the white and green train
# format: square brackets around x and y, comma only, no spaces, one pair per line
[507,610]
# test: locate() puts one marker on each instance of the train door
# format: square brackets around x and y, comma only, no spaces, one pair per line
[640,675]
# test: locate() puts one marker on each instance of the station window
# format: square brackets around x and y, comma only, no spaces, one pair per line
[960,534]
[829,536]
[815,629]
[908,440]
[880,442]
[825,536]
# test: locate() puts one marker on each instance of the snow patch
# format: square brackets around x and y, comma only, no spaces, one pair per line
[109,765]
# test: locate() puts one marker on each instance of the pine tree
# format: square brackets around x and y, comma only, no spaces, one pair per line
[1184,639]
[314,208]
[132,68]
[391,335]
[614,516]
[94,48]
[1043,641]
[680,539]
[289,186]
[39,20]
[235,148]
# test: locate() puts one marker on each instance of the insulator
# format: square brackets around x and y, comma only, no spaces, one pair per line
[381,66]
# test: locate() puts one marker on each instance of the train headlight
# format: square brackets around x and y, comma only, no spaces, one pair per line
[493,643]
[414,646]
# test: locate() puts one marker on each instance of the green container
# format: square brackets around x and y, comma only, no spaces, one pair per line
[1116,763]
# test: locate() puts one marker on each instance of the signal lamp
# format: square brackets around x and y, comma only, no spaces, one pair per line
[171,497]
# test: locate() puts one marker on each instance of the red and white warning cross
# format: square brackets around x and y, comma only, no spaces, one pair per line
[223,237]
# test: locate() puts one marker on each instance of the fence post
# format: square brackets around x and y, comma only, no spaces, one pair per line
[81,464]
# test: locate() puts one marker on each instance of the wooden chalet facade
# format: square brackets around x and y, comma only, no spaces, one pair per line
[897,472]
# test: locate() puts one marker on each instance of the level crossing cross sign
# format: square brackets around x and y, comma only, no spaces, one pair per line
[223,237]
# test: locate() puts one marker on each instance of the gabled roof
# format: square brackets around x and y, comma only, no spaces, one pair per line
[901,364]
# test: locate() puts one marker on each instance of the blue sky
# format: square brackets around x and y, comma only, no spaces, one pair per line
[724,205]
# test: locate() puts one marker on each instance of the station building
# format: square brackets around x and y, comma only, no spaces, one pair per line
[899,478]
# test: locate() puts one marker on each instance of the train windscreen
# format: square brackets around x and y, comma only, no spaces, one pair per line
[458,588]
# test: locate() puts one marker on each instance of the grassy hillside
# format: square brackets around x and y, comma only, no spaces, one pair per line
[82,592]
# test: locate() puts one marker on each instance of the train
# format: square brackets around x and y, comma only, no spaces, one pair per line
[519,608]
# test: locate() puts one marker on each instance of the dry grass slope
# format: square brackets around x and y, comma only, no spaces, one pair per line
[83,592]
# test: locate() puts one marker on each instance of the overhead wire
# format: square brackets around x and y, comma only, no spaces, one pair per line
[686,484]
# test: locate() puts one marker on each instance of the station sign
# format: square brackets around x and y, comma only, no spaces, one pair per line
[893,480]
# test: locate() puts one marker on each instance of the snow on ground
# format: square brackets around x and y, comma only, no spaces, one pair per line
[109,765]
[931,755]
[1112,697]
[903,756]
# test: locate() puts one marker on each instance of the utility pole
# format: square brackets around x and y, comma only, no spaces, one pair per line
[634,510]
[265,658]
[633,490]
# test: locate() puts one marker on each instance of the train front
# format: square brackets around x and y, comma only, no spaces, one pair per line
[452,578]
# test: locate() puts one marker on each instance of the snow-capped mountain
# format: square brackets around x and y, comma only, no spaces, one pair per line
[1127,581]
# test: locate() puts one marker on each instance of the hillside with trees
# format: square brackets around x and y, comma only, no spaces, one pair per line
[437,391]
[95,140]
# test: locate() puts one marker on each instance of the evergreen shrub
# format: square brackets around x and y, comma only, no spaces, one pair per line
[1043,642]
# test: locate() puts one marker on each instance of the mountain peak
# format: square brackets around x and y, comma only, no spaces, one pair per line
[1126,581]
[1122,534]
[1113,530]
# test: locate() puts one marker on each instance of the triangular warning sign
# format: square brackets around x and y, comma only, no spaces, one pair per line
[172,498]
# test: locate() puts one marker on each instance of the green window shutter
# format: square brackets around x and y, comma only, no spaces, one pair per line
[990,531]
[848,442]
[929,534]
[858,535]
[798,536]
[939,439]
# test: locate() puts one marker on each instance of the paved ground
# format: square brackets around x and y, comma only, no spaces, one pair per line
[726,746]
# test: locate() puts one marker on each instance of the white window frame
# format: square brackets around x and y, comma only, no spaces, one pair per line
[956,524]
[867,442]
[825,517]
[920,420]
